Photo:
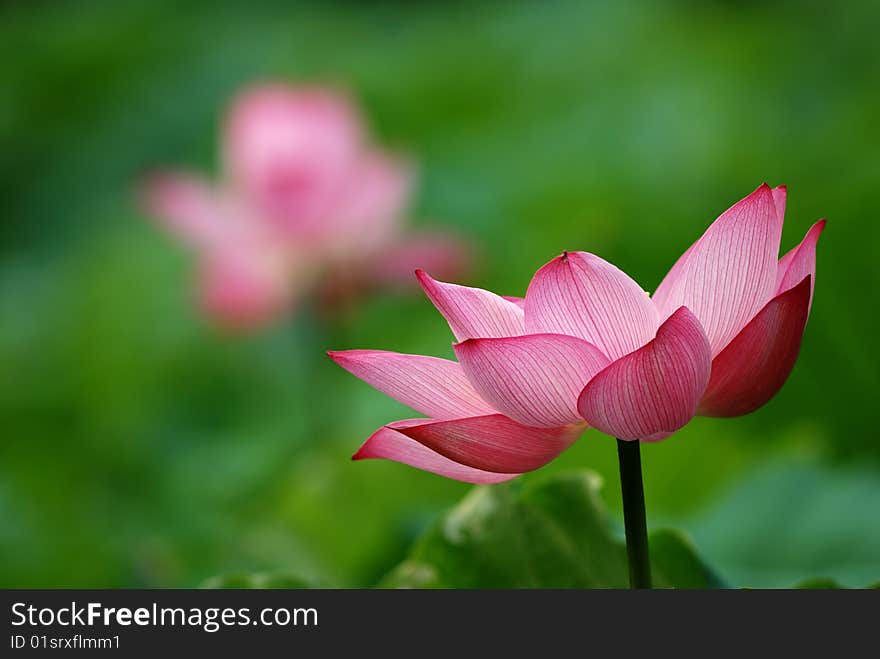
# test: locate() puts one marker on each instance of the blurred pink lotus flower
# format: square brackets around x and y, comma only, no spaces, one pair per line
[588,347]
[306,204]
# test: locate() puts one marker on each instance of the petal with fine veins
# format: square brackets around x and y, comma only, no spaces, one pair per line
[581,295]
[473,312]
[755,365]
[494,443]
[779,194]
[730,272]
[533,379]
[800,262]
[654,389]
[430,385]
[389,444]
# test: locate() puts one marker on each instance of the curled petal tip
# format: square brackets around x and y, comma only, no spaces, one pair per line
[366,450]
[426,281]
[341,357]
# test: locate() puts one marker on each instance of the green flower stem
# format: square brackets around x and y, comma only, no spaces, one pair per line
[638,556]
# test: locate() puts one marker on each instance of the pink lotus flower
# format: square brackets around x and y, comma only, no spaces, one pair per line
[306,202]
[588,347]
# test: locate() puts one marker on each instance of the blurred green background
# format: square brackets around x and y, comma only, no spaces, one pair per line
[142,448]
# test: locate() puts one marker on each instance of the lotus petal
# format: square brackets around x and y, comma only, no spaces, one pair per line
[430,385]
[655,389]
[494,443]
[730,272]
[754,366]
[800,262]
[581,295]
[473,312]
[389,444]
[534,379]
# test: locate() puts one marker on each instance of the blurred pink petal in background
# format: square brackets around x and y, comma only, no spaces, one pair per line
[306,205]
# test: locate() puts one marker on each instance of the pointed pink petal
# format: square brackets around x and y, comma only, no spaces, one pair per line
[581,295]
[779,194]
[755,365]
[430,385]
[800,262]
[494,443]
[473,312]
[387,443]
[654,389]
[730,272]
[533,379]
[661,295]
[518,301]
[186,206]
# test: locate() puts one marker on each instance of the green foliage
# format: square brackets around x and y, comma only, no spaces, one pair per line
[789,520]
[258,580]
[552,534]
[818,583]
[824,583]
